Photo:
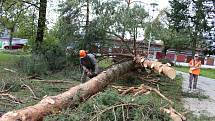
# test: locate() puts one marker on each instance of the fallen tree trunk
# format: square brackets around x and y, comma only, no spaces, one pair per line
[77,94]
[69,98]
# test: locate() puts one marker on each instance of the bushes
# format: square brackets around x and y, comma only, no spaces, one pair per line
[51,57]
[33,64]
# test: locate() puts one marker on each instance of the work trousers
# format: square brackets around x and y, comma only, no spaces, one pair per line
[193,79]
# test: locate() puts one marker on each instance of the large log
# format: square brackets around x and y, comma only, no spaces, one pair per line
[79,93]
[156,66]
[73,96]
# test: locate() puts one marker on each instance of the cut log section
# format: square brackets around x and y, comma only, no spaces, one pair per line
[156,66]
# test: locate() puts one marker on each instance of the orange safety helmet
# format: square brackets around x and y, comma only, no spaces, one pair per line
[82,53]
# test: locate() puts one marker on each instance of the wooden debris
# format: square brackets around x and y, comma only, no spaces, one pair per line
[127,91]
[174,115]
[10,70]
[140,90]
[157,92]
[11,97]
[32,92]
[54,81]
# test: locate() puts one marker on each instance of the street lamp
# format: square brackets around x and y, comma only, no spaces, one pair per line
[153,5]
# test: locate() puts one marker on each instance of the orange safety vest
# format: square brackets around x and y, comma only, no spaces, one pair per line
[195,64]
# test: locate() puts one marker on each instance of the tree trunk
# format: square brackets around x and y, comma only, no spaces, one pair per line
[82,92]
[88,12]
[194,40]
[135,39]
[11,38]
[41,24]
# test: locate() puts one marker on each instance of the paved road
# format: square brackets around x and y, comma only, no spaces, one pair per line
[205,86]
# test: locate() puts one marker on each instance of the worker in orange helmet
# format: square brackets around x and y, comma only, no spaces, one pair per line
[194,71]
[89,65]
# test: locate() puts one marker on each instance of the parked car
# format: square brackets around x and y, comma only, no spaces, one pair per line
[16,46]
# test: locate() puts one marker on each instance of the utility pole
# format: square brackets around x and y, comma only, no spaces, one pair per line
[150,39]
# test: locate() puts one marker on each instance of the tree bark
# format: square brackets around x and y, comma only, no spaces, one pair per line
[41,24]
[194,40]
[81,92]
[157,66]
[11,37]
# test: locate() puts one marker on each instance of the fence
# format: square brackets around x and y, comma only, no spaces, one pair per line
[185,58]
[159,55]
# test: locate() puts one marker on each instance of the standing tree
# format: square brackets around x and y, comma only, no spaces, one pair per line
[161,30]
[41,25]
[191,15]
[109,18]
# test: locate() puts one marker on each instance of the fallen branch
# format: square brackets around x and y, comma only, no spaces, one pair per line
[157,92]
[6,104]
[140,90]
[53,81]
[32,92]
[119,54]
[4,91]
[112,107]
[11,97]
[33,77]
[128,90]
[10,70]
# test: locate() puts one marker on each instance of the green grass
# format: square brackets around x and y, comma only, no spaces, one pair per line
[104,63]
[198,95]
[6,57]
[210,73]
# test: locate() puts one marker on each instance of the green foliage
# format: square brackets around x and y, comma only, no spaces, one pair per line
[195,20]
[34,64]
[105,63]
[102,27]
[53,53]
[52,58]
[160,29]
[147,108]
[198,95]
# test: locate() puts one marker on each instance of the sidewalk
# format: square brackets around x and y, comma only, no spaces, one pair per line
[202,66]
[200,106]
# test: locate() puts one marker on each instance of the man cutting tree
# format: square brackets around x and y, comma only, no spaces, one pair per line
[89,65]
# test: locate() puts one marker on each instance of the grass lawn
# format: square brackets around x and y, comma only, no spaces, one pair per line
[210,73]
[5,57]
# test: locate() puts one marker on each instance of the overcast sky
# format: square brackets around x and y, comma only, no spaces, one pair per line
[52,15]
